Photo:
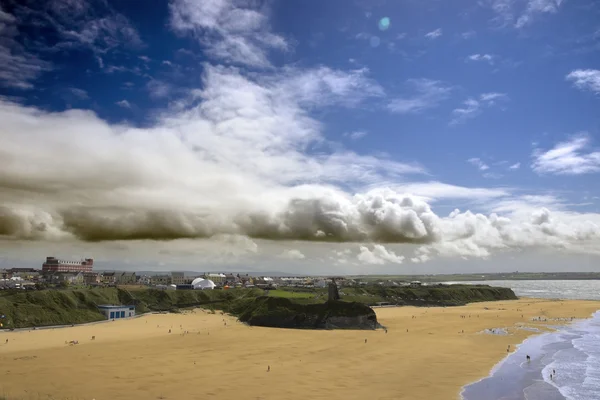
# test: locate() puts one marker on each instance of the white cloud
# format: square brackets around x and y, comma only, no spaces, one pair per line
[158,89]
[79,93]
[428,94]
[229,30]
[243,159]
[481,57]
[475,235]
[515,166]
[567,158]
[472,107]
[436,191]
[478,163]
[378,256]
[123,104]
[586,79]
[520,13]
[19,66]
[468,34]
[536,7]
[195,173]
[491,98]
[355,135]
[293,254]
[322,86]
[434,34]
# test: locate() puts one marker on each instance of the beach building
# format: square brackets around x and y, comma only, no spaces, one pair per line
[115,312]
[415,284]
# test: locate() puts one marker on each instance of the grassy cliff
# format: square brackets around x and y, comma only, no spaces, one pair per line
[24,309]
[280,312]
[62,307]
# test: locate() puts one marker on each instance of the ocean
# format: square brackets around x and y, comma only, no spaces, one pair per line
[571,354]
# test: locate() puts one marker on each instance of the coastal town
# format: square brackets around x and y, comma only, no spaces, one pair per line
[59,273]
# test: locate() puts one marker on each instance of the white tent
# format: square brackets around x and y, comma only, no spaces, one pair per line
[203,284]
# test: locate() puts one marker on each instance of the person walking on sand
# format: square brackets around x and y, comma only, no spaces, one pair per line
[268,368]
[365,340]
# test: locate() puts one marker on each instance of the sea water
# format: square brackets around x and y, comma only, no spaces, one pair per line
[571,355]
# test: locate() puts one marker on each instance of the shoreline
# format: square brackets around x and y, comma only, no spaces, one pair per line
[139,359]
[533,379]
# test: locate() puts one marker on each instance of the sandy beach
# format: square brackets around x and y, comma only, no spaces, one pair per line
[423,355]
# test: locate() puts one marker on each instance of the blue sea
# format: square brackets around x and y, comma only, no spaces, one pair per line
[571,354]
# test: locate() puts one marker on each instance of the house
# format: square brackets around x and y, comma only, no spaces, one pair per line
[232,279]
[125,278]
[108,278]
[91,278]
[178,278]
[216,278]
[160,280]
[25,273]
[76,279]
[415,284]
[320,283]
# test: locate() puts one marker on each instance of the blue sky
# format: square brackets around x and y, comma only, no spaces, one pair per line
[266,115]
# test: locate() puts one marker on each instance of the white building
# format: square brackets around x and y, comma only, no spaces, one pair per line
[203,284]
[117,312]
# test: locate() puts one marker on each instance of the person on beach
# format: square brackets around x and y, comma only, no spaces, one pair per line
[268,368]
[365,340]
[528,358]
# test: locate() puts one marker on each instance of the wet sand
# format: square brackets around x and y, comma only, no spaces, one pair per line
[139,359]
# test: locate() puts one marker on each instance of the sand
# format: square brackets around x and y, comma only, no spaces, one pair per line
[135,359]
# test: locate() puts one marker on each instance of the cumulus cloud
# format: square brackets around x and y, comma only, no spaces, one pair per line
[570,157]
[378,256]
[233,163]
[586,79]
[229,30]
[475,235]
[427,94]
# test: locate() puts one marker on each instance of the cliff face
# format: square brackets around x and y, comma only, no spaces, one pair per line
[283,313]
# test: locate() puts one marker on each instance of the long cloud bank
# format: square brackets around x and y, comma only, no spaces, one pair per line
[242,156]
